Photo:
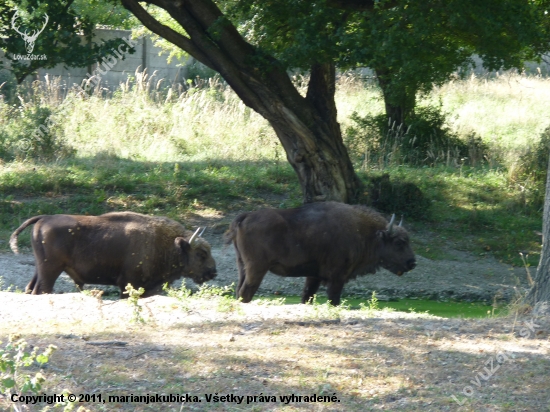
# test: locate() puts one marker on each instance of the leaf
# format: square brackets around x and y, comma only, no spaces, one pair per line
[8,383]
[41,359]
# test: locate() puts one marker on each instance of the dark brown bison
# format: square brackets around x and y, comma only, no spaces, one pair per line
[328,243]
[115,249]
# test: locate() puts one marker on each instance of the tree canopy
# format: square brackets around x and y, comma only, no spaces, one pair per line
[412,44]
[67,35]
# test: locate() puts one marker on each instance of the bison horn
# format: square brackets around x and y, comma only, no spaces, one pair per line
[401,221]
[194,236]
[200,234]
[390,225]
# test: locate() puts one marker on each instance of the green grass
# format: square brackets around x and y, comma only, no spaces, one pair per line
[477,210]
[173,189]
[443,309]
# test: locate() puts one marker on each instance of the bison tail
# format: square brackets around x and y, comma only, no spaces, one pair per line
[13,237]
[231,233]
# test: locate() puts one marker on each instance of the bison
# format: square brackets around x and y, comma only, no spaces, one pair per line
[328,243]
[115,249]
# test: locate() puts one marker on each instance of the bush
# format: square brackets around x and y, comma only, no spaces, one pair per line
[398,197]
[533,164]
[425,140]
[530,172]
[8,84]
[18,137]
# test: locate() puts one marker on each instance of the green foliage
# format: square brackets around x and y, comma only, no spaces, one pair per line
[398,197]
[530,171]
[411,46]
[67,38]
[533,164]
[327,310]
[222,296]
[14,358]
[426,140]
[24,135]
[8,84]
[197,70]
[371,306]
[133,301]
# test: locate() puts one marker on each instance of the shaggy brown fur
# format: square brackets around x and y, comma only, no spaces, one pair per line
[114,249]
[326,242]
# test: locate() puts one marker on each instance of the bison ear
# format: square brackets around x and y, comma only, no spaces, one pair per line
[183,246]
[382,234]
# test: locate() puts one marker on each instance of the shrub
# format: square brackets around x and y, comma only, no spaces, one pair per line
[424,140]
[8,84]
[397,197]
[19,137]
[533,163]
[530,172]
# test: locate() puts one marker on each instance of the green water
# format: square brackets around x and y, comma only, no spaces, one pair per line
[443,309]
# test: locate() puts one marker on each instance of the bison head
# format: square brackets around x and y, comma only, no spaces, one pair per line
[396,254]
[196,258]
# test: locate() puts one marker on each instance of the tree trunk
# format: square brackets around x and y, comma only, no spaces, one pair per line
[399,102]
[306,126]
[539,295]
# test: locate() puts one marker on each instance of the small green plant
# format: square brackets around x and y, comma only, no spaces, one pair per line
[225,296]
[207,291]
[133,300]
[14,357]
[371,306]
[327,310]
[270,302]
[183,295]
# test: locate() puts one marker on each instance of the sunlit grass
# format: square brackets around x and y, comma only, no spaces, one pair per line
[509,112]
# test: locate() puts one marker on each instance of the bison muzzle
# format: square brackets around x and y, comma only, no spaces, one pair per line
[328,243]
[115,249]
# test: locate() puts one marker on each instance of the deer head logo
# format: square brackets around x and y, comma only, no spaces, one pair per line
[28,38]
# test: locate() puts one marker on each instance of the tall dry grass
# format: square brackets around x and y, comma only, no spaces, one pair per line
[148,119]
[509,111]
[144,121]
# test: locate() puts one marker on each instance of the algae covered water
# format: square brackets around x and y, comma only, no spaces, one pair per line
[437,308]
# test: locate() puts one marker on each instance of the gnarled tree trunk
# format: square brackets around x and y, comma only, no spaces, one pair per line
[306,126]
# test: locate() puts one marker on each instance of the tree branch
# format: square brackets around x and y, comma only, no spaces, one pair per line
[166,32]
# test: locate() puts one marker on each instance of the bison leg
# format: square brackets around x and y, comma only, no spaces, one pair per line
[310,288]
[253,278]
[242,272]
[45,277]
[334,290]
[29,288]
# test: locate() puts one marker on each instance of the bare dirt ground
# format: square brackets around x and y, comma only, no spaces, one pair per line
[354,360]
[358,360]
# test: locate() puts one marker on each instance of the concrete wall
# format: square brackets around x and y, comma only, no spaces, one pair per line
[145,56]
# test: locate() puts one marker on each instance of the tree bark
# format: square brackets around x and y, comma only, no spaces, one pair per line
[399,103]
[539,295]
[306,126]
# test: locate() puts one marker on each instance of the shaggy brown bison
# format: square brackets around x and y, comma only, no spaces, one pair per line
[328,243]
[115,249]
